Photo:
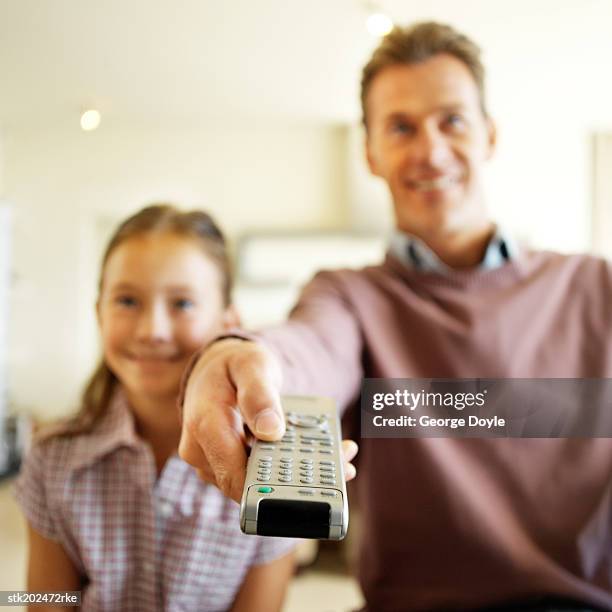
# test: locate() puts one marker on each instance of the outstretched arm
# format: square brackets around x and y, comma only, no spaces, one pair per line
[237,382]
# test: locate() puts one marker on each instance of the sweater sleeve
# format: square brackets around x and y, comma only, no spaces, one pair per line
[320,346]
[32,495]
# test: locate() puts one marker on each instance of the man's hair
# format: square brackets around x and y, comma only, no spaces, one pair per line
[418,43]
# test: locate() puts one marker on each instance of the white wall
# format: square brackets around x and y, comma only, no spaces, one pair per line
[548,65]
[69,186]
[550,93]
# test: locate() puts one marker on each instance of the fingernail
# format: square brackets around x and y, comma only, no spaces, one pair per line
[267,423]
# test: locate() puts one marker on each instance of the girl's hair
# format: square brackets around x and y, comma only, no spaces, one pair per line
[155,219]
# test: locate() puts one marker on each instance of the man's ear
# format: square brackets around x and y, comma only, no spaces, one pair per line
[491,137]
[231,318]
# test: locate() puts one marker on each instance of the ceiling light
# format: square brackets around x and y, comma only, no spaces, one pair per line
[379,24]
[90,120]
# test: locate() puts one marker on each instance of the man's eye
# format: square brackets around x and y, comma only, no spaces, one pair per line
[455,120]
[183,304]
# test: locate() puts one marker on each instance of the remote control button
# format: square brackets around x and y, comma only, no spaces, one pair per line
[325,451]
[263,478]
[306,441]
[266,458]
[306,480]
[287,449]
[265,464]
[285,472]
[306,491]
[308,461]
[325,443]
[266,447]
[328,468]
[330,493]
[319,438]
[306,450]
[265,490]
[305,420]
[328,481]
[306,474]
[287,479]
[326,462]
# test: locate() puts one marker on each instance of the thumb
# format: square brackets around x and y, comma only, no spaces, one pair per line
[258,381]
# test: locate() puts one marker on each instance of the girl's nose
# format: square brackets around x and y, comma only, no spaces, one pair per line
[155,323]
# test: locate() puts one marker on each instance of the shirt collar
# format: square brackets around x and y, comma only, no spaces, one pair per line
[114,430]
[414,253]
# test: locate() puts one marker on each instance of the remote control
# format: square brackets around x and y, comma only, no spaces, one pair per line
[295,487]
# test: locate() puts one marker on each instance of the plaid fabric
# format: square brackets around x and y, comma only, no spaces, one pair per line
[141,543]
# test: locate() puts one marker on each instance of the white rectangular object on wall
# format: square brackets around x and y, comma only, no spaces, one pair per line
[294,257]
[271,267]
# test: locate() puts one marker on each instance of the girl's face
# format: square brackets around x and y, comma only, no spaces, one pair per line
[160,301]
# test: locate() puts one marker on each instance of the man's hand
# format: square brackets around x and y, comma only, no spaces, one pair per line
[235,382]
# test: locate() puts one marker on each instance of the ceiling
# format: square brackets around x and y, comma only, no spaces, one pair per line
[211,60]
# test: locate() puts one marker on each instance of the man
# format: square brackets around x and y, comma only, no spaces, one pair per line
[447,523]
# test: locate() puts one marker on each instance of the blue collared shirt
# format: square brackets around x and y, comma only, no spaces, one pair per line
[413,252]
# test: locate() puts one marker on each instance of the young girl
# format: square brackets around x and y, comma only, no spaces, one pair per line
[111,508]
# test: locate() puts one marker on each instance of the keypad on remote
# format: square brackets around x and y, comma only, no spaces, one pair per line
[306,435]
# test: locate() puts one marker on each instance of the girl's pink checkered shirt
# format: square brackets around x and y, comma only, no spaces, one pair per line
[140,543]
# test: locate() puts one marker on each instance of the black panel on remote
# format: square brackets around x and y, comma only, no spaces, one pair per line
[298,519]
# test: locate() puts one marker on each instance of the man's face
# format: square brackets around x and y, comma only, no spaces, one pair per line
[428,139]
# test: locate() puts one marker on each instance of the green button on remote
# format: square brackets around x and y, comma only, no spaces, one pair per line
[265,490]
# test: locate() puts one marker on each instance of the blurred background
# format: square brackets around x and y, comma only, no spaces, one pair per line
[250,109]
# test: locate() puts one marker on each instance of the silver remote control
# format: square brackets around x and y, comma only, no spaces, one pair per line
[295,487]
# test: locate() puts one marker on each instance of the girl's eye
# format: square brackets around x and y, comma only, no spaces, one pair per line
[401,127]
[183,304]
[126,300]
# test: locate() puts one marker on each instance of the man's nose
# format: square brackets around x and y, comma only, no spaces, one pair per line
[431,147]
[155,323]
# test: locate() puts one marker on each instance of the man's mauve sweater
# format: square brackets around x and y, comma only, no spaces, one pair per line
[464,523]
